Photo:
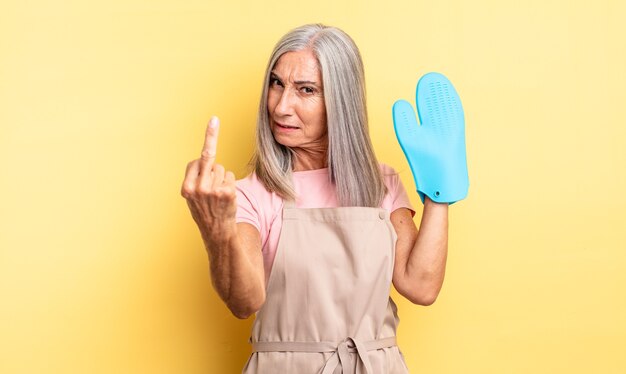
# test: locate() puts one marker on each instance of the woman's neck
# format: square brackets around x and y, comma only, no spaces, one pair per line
[306,159]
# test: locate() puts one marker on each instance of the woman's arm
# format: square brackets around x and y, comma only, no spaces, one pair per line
[420,262]
[236,265]
[234,250]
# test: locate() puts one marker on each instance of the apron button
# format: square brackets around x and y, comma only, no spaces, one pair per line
[381,215]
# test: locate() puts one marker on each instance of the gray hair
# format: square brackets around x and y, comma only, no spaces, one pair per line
[352,164]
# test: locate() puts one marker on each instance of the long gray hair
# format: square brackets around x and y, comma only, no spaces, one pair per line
[352,163]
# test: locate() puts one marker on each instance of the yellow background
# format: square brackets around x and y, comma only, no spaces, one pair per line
[102,104]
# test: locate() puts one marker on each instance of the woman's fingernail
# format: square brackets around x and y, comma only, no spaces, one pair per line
[214,122]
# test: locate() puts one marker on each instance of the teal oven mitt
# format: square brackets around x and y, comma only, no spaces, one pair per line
[436,148]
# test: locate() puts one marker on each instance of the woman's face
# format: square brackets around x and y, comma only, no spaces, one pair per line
[295,101]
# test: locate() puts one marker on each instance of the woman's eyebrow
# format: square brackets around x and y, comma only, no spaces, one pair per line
[306,82]
[274,75]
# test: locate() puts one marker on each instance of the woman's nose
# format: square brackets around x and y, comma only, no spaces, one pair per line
[284,107]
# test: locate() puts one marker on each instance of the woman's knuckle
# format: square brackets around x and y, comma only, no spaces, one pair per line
[187,190]
[231,194]
[191,165]
[184,193]
[207,155]
[205,190]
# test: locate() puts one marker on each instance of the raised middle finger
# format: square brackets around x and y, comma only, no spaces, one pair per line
[209,150]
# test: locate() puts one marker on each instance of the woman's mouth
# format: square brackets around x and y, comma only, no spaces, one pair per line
[285,127]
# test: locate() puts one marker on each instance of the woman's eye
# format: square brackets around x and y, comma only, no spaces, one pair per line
[308,90]
[275,81]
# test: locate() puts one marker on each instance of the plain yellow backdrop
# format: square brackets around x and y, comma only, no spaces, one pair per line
[102,104]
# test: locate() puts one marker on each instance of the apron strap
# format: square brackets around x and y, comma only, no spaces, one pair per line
[340,357]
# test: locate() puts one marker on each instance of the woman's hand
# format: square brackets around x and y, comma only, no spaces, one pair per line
[234,250]
[210,190]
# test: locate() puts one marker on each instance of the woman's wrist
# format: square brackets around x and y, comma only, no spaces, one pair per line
[429,202]
[220,232]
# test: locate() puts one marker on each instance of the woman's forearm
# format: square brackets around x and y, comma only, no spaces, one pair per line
[235,269]
[236,263]
[427,262]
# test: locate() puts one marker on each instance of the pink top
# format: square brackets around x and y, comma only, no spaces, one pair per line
[262,209]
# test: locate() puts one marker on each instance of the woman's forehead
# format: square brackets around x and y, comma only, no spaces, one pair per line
[298,66]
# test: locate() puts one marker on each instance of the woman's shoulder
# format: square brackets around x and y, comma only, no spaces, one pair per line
[250,182]
[255,204]
[389,174]
[387,169]
[252,186]
[254,190]
[396,196]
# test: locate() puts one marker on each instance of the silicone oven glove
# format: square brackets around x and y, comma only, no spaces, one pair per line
[436,148]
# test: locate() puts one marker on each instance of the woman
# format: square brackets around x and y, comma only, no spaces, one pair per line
[312,239]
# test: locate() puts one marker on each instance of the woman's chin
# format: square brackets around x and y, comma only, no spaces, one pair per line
[285,141]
